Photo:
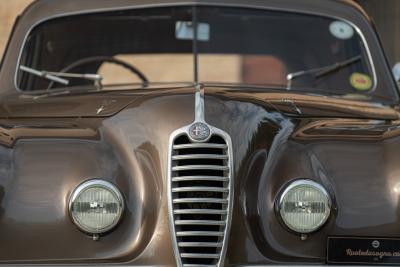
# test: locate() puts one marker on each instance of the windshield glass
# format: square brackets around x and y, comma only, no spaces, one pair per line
[235,46]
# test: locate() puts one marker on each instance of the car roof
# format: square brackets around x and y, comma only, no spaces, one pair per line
[40,10]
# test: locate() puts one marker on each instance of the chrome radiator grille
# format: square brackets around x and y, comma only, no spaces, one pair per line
[200,199]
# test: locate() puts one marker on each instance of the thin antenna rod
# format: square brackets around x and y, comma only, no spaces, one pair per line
[195,48]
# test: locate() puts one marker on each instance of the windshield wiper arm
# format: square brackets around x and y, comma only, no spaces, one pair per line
[321,71]
[44,74]
[57,76]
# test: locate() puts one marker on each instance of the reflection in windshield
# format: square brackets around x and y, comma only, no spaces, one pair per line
[234,46]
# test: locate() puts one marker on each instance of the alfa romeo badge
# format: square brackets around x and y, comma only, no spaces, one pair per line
[199,131]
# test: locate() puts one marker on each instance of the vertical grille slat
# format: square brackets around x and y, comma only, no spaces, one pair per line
[200,196]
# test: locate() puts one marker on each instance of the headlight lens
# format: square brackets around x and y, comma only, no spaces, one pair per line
[96,206]
[304,206]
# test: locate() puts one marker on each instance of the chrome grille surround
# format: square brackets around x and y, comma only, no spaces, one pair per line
[199,200]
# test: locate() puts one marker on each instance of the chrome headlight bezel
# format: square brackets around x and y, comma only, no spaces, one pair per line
[290,186]
[88,185]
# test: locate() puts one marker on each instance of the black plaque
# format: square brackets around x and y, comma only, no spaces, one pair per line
[362,250]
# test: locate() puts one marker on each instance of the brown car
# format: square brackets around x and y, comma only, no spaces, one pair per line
[198,133]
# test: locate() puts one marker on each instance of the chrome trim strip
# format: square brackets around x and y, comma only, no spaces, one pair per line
[202,178]
[199,104]
[200,200]
[199,244]
[200,156]
[251,6]
[200,167]
[199,233]
[198,222]
[198,255]
[199,189]
[200,145]
[200,211]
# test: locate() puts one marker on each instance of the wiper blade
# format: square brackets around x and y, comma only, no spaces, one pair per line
[321,71]
[57,76]
[44,74]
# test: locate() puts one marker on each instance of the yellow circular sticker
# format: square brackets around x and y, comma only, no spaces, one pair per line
[361,82]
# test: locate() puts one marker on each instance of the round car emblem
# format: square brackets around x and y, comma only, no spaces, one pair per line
[376,244]
[199,131]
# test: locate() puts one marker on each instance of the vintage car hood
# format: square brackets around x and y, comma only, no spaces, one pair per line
[91,104]
[44,158]
[108,103]
[297,104]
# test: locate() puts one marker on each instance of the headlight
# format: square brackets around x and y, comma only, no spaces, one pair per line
[304,206]
[96,206]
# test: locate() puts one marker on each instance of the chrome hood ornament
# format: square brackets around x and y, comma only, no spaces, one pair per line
[199,131]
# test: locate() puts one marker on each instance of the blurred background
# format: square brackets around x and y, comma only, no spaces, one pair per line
[385,13]
[9,10]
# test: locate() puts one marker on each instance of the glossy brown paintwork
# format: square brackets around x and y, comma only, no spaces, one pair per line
[130,148]
[50,145]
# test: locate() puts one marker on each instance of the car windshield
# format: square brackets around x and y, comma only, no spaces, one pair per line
[206,44]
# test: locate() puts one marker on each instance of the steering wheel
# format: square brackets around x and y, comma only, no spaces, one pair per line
[102,59]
